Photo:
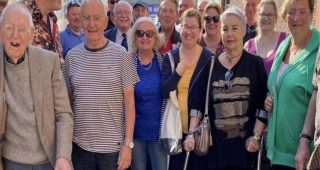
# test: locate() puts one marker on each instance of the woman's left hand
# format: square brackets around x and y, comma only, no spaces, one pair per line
[303,154]
[252,144]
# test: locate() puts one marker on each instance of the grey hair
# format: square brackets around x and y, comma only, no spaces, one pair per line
[16,6]
[121,2]
[132,38]
[237,12]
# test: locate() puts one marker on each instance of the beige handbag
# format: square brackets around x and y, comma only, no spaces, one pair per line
[202,134]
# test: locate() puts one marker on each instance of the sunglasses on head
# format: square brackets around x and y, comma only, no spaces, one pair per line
[114,2]
[215,19]
[228,83]
[141,33]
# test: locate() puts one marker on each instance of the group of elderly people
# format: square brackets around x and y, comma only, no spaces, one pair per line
[117,97]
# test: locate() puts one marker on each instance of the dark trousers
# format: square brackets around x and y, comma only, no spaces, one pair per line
[10,165]
[281,167]
[85,160]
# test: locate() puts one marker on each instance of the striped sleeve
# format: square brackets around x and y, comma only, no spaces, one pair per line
[129,74]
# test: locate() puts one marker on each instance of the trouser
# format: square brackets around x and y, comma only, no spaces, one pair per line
[86,160]
[11,165]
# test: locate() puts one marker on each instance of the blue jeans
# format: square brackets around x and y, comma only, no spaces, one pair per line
[155,151]
[86,160]
[10,165]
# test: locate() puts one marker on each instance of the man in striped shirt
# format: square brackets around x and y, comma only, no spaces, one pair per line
[100,76]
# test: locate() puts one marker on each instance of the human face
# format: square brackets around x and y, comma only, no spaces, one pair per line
[167,15]
[201,7]
[212,28]
[145,43]
[184,5]
[299,17]
[190,31]
[55,5]
[123,16]
[16,33]
[267,17]
[250,8]
[74,17]
[232,32]
[94,22]
[139,11]
[111,4]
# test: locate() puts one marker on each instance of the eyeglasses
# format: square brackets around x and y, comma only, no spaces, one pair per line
[141,33]
[10,28]
[215,19]
[191,28]
[114,2]
[270,15]
[228,83]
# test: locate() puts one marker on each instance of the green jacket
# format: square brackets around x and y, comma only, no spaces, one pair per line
[291,95]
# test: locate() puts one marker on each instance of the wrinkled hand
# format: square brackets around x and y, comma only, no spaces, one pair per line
[268,103]
[181,68]
[252,144]
[125,156]
[62,164]
[303,154]
[189,143]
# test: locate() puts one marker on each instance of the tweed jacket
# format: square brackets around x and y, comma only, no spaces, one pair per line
[51,103]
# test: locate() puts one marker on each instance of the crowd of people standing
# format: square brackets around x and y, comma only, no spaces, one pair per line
[92,97]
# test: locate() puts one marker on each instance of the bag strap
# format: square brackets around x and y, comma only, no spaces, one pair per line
[171,61]
[208,86]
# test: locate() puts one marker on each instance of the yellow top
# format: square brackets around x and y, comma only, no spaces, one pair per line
[183,93]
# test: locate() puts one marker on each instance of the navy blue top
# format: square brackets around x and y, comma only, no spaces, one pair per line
[148,101]
[69,40]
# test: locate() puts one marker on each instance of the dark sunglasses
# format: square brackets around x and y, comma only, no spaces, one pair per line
[228,83]
[114,2]
[141,33]
[215,19]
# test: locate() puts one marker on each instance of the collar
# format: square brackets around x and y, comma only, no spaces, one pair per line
[21,59]
[119,33]
[69,31]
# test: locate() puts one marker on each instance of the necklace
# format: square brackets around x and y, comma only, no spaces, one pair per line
[145,67]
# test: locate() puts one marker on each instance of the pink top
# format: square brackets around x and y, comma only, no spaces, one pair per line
[267,60]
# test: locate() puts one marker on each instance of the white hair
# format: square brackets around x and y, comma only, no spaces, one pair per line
[21,8]
[237,12]
[116,6]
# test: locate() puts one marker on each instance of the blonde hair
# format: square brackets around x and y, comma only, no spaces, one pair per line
[215,6]
[191,12]
[288,3]
[132,38]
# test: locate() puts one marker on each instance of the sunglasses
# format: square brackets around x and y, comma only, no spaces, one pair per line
[141,33]
[114,2]
[228,83]
[215,19]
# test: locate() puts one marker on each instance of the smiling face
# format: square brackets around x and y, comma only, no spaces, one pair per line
[250,8]
[123,16]
[145,43]
[73,16]
[190,31]
[232,32]
[167,15]
[139,11]
[299,17]
[94,21]
[267,17]
[212,28]
[16,33]
[184,5]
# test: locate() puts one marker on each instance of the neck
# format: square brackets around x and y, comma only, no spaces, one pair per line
[145,56]
[96,44]
[266,34]
[301,40]
[250,21]
[233,54]
[123,30]
[42,5]
[75,30]
[167,32]
[214,37]
[189,51]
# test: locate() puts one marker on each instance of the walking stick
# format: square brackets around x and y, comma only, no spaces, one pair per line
[260,153]
[185,166]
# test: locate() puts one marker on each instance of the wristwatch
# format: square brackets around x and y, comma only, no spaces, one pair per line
[129,144]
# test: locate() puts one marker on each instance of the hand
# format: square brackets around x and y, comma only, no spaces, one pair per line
[189,143]
[181,68]
[252,144]
[62,164]
[268,103]
[125,156]
[303,154]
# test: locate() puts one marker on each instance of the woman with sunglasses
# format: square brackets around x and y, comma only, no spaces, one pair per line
[237,88]
[267,41]
[211,38]
[144,42]
[189,60]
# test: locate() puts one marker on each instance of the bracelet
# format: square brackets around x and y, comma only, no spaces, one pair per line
[256,136]
[306,136]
